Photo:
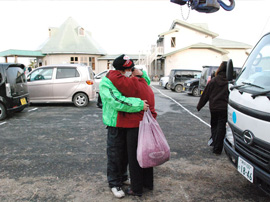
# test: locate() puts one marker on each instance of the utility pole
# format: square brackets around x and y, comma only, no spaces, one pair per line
[155,60]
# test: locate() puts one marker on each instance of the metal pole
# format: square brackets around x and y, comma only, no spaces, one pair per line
[155,61]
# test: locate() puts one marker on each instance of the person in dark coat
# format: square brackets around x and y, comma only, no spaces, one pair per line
[217,93]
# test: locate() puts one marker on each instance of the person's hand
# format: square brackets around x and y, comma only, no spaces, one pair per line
[137,72]
[145,105]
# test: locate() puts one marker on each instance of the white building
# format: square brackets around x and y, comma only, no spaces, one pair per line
[69,44]
[191,46]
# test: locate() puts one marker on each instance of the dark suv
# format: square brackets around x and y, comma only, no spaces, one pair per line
[179,76]
[13,89]
[191,87]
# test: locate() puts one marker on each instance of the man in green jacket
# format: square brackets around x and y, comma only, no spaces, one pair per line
[113,101]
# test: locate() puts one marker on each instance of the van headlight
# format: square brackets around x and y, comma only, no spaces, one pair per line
[188,84]
[229,135]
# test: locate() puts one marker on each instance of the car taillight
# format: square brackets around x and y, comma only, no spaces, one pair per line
[89,82]
[8,90]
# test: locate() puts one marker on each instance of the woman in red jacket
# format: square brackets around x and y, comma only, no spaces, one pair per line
[135,86]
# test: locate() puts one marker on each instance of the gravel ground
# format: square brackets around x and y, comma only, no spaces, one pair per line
[58,153]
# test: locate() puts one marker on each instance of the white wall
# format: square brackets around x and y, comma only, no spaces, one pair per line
[185,37]
[65,59]
[238,56]
[192,59]
[102,66]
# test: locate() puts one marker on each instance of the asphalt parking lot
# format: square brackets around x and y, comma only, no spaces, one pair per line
[57,152]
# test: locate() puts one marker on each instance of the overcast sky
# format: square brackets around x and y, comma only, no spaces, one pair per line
[124,26]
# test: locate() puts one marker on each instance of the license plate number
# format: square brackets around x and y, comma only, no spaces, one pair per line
[23,101]
[245,169]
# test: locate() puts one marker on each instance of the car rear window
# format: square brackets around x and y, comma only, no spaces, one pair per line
[64,73]
[15,75]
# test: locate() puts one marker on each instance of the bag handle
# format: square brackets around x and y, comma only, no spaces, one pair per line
[149,116]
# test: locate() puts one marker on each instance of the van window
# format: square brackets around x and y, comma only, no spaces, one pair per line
[15,75]
[256,70]
[64,73]
[187,74]
[42,74]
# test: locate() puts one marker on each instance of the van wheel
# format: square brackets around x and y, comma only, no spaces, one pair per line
[196,92]
[80,100]
[3,112]
[178,88]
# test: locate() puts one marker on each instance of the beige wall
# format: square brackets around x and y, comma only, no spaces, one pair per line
[65,59]
[185,37]
[192,59]
[102,66]
[238,56]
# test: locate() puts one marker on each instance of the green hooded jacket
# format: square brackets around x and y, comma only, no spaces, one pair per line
[113,101]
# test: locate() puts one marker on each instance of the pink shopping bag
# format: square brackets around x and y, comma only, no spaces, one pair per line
[152,149]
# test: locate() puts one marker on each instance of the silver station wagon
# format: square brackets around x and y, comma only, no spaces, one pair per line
[62,83]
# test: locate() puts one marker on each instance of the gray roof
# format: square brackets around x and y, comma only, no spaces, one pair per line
[66,40]
[223,43]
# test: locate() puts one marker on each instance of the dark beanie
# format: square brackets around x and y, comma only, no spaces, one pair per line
[123,62]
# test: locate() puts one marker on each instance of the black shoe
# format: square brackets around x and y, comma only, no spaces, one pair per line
[99,106]
[130,192]
[149,187]
[217,152]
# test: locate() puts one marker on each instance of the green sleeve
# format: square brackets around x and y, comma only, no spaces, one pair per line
[146,77]
[111,97]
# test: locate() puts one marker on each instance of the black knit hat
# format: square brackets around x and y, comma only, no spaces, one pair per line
[123,62]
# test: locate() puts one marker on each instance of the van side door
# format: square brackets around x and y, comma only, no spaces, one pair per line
[40,83]
[66,82]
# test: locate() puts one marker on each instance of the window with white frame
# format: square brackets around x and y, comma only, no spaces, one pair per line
[81,31]
[74,60]
[173,42]
[83,60]
[92,63]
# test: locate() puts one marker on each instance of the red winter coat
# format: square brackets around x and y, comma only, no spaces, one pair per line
[132,87]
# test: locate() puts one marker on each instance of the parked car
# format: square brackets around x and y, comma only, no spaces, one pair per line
[192,87]
[206,76]
[98,77]
[179,76]
[62,83]
[208,71]
[13,89]
[164,82]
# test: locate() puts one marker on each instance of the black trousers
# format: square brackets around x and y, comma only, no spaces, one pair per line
[116,156]
[140,177]
[218,129]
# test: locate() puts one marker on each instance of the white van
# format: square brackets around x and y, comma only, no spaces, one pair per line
[62,83]
[247,141]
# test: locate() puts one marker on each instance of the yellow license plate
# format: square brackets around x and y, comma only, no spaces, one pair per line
[23,101]
[184,89]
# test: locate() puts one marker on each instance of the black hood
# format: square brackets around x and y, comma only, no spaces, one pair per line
[221,79]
